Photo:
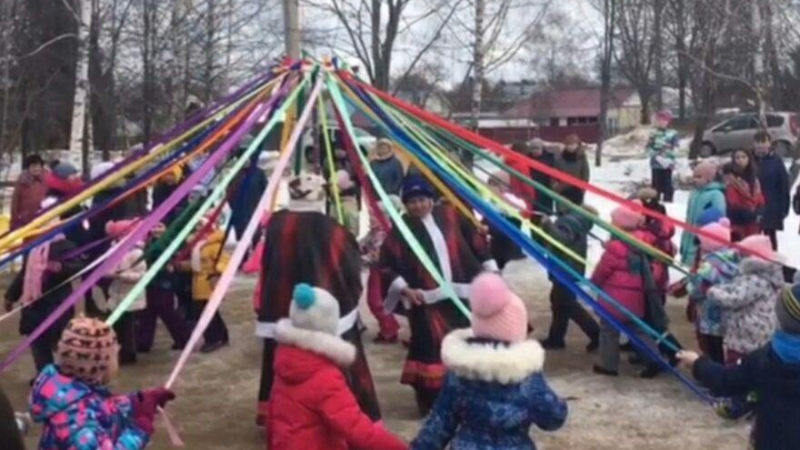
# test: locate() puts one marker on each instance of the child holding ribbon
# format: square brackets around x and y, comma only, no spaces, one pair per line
[71,400]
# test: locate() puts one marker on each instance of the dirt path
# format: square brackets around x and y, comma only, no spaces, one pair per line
[217,393]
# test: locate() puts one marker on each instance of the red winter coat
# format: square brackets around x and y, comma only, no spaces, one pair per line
[311,407]
[616,275]
[520,188]
[744,203]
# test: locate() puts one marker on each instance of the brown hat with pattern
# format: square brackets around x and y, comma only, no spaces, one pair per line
[87,351]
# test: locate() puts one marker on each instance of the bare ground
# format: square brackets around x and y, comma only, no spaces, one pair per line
[217,393]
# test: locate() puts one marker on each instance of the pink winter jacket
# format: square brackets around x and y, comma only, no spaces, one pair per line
[616,275]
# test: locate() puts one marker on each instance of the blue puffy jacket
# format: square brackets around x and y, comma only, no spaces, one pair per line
[493,393]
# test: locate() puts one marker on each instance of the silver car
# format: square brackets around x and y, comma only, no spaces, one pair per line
[737,132]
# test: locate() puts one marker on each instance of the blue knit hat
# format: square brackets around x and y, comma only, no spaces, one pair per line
[710,215]
[416,186]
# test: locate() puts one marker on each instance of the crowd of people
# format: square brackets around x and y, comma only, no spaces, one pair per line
[478,383]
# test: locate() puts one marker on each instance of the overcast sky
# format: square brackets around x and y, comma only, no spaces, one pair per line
[453,52]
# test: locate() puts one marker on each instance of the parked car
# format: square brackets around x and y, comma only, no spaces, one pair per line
[737,132]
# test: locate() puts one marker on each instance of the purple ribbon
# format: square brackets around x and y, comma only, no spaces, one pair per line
[140,232]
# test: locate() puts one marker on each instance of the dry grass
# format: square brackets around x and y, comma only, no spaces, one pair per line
[217,393]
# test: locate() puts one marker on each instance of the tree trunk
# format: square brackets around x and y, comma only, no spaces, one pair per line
[658,51]
[683,75]
[605,76]
[645,112]
[147,97]
[477,71]
[80,104]
[759,75]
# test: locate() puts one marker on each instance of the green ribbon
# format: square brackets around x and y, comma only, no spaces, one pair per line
[401,225]
[216,195]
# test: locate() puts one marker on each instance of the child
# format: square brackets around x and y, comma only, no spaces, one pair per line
[495,389]
[370,247]
[620,273]
[743,196]
[160,298]
[70,398]
[208,261]
[46,267]
[572,230]
[311,406]
[130,270]
[661,147]
[719,264]
[772,371]
[707,194]
[748,300]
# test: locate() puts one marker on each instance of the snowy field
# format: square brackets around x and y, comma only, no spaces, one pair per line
[217,393]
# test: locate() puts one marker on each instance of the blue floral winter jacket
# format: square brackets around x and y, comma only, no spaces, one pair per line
[493,393]
[77,416]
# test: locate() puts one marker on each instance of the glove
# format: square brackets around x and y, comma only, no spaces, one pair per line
[145,404]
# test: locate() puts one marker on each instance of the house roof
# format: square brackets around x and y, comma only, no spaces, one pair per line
[567,102]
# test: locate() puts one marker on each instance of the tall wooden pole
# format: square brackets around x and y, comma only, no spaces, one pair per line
[291,27]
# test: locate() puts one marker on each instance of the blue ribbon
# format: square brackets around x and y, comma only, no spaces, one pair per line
[561,271]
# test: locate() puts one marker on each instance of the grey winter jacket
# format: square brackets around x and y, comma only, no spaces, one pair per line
[748,304]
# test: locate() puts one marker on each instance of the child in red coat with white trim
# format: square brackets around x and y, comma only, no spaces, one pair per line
[311,406]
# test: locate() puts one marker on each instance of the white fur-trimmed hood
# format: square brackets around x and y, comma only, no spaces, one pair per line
[486,362]
[335,348]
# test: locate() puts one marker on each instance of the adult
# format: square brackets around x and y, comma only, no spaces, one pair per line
[29,191]
[244,195]
[460,253]
[743,196]
[164,187]
[387,167]
[303,245]
[538,152]
[661,147]
[518,187]
[571,161]
[775,186]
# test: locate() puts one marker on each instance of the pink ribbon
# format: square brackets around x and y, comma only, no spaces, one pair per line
[226,279]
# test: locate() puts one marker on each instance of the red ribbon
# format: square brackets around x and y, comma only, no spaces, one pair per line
[505,152]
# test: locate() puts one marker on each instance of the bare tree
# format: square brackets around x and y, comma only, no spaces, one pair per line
[373,31]
[609,13]
[636,52]
[80,106]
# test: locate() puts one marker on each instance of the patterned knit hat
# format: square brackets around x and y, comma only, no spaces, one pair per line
[87,350]
[720,229]
[788,309]
[497,313]
[314,309]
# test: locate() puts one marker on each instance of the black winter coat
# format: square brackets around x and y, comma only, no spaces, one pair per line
[774,179]
[777,386]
